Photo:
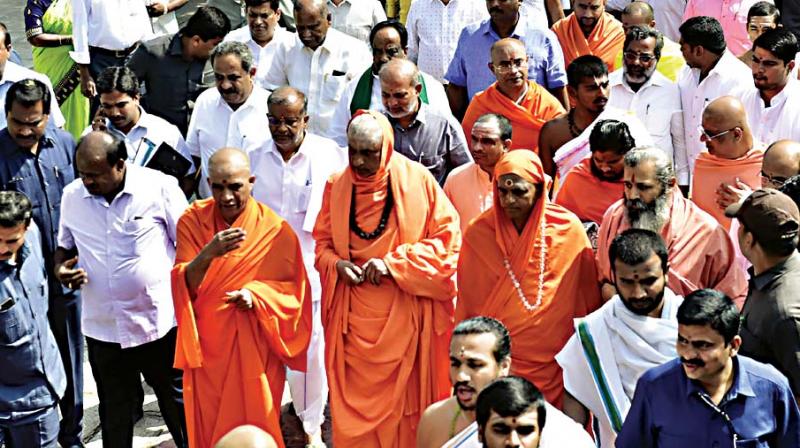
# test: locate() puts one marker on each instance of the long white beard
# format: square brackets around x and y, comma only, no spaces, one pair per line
[652,219]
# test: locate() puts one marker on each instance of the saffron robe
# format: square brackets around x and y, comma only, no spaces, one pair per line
[485,287]
[701,254]
[538,106]
[469,188]
[387,345]
[605,41]
[586,195]
[234,361]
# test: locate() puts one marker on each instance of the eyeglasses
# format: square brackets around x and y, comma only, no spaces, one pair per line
[643,57]
[505,66]
[705,137]
[777,181]
[391,52]
[289,122]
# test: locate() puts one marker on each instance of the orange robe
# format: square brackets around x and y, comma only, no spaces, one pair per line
[387,345]
[537,107]
[234,361]
[485,287]
[586,195]
[470,190]
[710,171]
[701,254]
[605,41]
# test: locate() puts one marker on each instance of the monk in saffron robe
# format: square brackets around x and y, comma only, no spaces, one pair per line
[732,156]
[701,253]
[590,30]
[591,186]
[243,305]
[387,244]
[526,262]
[527,104]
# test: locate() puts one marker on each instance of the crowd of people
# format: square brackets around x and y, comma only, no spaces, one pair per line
[370,210]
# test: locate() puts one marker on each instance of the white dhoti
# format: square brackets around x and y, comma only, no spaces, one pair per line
[310,389]
[611,348]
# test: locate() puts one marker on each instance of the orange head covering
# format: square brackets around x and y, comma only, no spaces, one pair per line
[525,164]
[379,179]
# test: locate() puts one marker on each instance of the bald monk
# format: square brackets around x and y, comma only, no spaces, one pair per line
[732,156]
[781,161]
[590,30]
[247,436]
[526,262]
[527,104]
[590,187]
[243,305]
[469,187]
[386,255]
[700,251]
[671,61]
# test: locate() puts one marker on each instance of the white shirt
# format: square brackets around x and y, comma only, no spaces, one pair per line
[109,24]
[127,249]
[322,75]
[729,77]
[262,56]
[433,30]
[535,13]
[657,104]
[214,125]
[781,120]
[356,17]
[437,98]
[13,73]
[294,189]
[146,136]
[668,14]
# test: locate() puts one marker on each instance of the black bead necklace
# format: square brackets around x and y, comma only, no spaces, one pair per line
[387,210]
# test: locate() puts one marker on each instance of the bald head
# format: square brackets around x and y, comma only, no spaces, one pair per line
[781,161]
[365,129]
[287,96]
[230,181]
[726,132]
[400,71]
[318,7]
[229,159]
[503,45]
[726,112]
[100,160]
[246,436]
[641,10]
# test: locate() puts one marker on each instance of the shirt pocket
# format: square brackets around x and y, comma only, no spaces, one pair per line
[14,326]
[658,122]
[303,198]
[333,86]
[137,231]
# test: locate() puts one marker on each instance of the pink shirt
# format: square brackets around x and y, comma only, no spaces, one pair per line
[732,14]
[470,190]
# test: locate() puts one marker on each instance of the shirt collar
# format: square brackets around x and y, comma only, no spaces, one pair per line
[129,184]
[330,2]
[303,149]
[144,118]
[741,383]
[762,280]
[518,33]
[12,73]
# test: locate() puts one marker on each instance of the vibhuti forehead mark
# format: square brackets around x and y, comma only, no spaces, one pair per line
[461,352]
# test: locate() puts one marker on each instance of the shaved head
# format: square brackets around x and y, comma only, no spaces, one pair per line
[726,112]
[508,42]
[365,129]
[641,10]
[400,71]
[229,159]
[319,7]
[781,161]
[230,181]
[246,436]
[725,119]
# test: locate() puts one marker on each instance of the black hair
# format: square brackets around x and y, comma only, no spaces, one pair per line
[482,325]
[780,42]
[120,79]
[116,150]
[704,31]
[713,308]
[15,209]
[282,100]
[207,23]
[391,23]
[6,35]
[764,9]
[586,66]
[611,135]
[510,396]
[644,32]
[635,246]
[273,4]
[28,92]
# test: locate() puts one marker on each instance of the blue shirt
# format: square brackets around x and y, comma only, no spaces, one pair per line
[668,410]
[42,177]
[469,67]
[32,375]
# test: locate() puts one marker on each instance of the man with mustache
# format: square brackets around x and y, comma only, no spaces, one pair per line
[590,187]
[421,133]
[710,395]
[700,251]
[232,114]
[629,334]
[590,30]
[480,352]
[733,156]
[527,104]
[142,133]
[772,105]
[641,89]
[761,17]
[291,170]
[38,160]
[262,34]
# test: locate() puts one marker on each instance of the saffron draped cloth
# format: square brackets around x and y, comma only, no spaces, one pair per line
[234,361]
[701,254]
[485,288]
[605,41]
[710,171]
[387,345]
[586,195]
[527,117]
